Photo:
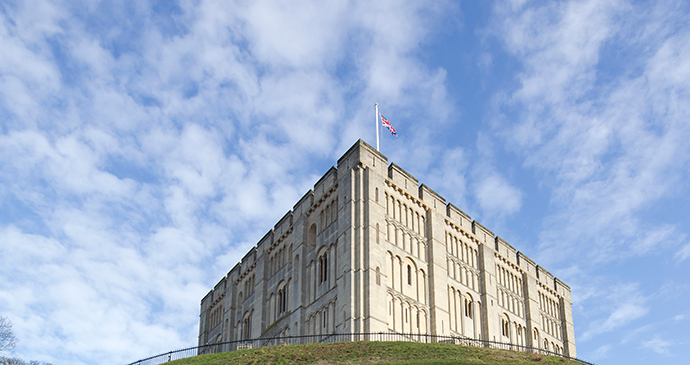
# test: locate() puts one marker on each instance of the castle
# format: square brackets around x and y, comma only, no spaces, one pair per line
[370,250]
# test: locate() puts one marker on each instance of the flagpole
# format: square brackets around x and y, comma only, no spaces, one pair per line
[376,106]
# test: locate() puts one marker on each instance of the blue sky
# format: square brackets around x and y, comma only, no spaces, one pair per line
[145,146]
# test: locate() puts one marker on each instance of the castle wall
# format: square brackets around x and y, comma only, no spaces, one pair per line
[369,249]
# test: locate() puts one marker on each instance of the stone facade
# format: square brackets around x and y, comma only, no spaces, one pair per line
[371,250]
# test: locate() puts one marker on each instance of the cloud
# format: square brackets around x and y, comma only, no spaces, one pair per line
[496,196]
[610,147]
[658,345]
[683,253]
[624,304]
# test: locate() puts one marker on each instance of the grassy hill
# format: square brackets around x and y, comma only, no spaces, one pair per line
[353,353]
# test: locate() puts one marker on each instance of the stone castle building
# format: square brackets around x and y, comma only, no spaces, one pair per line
[371,250]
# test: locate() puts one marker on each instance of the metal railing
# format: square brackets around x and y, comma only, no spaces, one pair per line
[340,337]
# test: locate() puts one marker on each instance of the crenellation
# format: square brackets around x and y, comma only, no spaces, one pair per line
[431,198]
[303,204]
[250,258]
[546,278]
[561,288]
[458,217]
[325,183]
[482,234]
[283,225]
[369,249]
[264,243]
[504,248]
[526,264]
[403,179]
[219,288]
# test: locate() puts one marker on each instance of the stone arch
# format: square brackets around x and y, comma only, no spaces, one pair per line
[425,321]
[398,269]
[322,272]
[390,271]
[247,324]
[311,236]
[505,326]
[282,298]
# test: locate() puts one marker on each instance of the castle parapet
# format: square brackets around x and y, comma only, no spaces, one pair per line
[303,204]
[283,225]
[505,249]
[545,277]
[431,198]
[526,263]
[403,179]
[482,233]
[458,217]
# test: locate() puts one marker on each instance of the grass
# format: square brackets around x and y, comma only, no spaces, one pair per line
[354,353]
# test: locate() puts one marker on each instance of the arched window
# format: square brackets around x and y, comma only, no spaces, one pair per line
[282,300]
[323,267]
[311,240]
[246,325]
[468,307]
[325,318]
[505,327]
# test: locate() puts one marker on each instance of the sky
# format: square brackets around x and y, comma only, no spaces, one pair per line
[145,146]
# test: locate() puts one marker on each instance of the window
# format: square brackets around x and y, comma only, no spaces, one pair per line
[323,267]
[282,300]
[312,235]
[409,275]
[246,326]
[378,276]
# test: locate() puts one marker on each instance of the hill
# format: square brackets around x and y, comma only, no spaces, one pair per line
[354,353]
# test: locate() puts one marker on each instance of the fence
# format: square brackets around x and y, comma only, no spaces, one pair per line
[338,337]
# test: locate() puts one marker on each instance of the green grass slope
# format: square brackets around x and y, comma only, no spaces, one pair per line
[354,353]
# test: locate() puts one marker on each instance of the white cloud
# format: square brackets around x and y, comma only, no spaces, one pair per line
[609,148]
[497,197]
[658,345]
[624,304]
[683,253]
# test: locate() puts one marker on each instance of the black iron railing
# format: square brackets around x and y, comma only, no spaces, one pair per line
[339,337]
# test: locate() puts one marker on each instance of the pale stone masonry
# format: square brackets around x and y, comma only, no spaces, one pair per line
[371,250]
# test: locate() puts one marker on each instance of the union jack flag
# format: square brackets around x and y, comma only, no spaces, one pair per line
[388,125]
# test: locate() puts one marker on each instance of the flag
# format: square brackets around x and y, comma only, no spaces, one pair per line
[388,125]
